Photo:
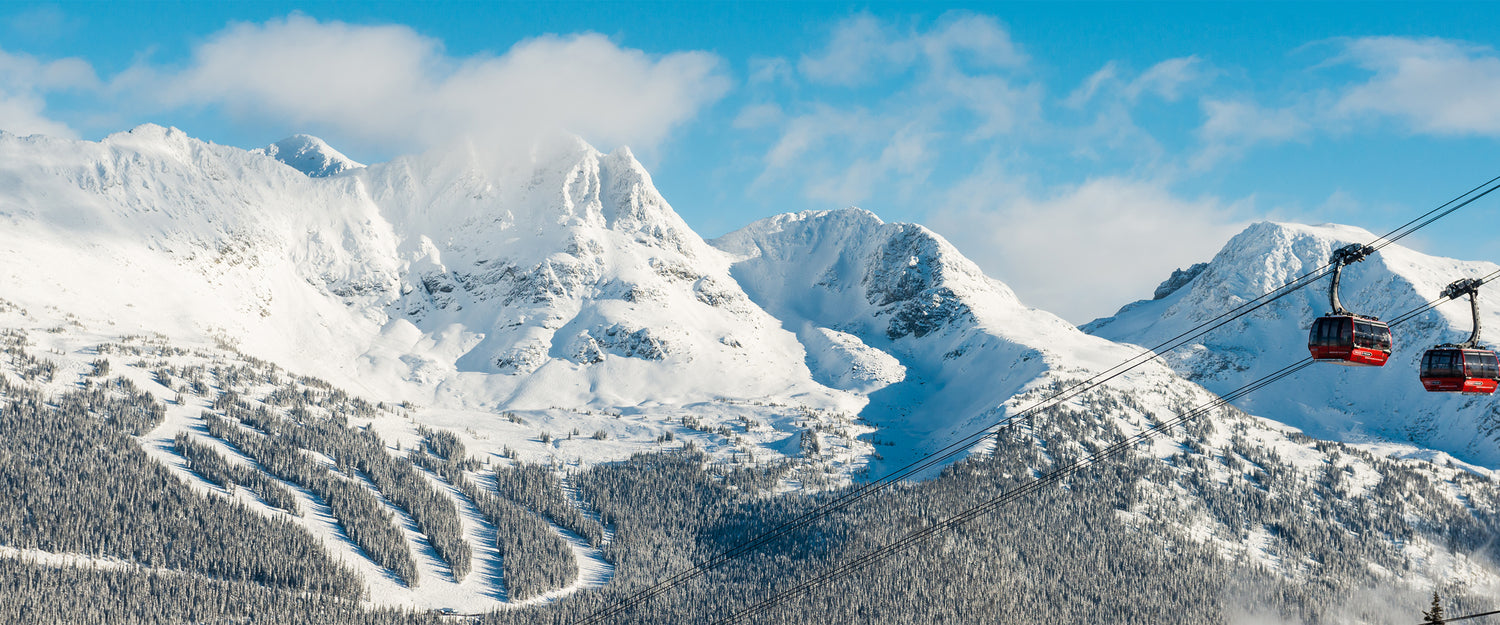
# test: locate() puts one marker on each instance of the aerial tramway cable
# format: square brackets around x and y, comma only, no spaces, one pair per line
[1462,618]
[967,442]
[1052,477]
[1440,212]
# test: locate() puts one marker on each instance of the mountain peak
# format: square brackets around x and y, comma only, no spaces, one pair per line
[310,155]
[151,138]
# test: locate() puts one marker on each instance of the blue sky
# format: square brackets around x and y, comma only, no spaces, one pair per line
[1077,152]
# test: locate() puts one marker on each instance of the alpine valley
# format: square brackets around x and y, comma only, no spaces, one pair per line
[280,386]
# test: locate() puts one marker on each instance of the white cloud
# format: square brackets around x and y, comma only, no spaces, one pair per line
[1082,251]
[42,22]
[1096,82]
[765,70]
[997,102]
[905,157]
[977,40]
[815,129]
[1243,121]
[1167,78]
[24,84]
[961,80]
[1110,96]
[390,87]
[25,115]
[1436,86]
[1233,126]
[860,48]
[863,48]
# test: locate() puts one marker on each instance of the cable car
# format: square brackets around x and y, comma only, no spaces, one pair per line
[1342,337]
[1350,340]
[1462,367]
[1454,370]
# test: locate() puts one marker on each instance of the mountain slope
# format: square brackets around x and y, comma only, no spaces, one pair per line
[1353,404]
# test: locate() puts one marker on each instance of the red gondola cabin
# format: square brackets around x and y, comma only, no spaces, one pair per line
[1350,340]
[1460,370]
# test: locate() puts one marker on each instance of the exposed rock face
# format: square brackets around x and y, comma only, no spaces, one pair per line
[1179,278]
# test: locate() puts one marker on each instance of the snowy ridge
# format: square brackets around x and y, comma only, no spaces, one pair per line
[1350,404]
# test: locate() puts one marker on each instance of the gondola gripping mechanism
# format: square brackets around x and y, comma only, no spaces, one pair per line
[1470,287]
[1349,254]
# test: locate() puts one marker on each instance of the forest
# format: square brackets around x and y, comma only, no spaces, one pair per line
[1110,544]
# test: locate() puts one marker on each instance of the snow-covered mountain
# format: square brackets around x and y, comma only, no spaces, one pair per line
[310,155]
[519,304]
[1356,404]
[896,312]
[564,286]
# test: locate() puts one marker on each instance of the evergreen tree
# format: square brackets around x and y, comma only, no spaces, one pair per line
[1435,615]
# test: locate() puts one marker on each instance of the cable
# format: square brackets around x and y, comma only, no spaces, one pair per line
[961,445]
[1389,239]
[1439,301]
[1048,479]
[1462,618]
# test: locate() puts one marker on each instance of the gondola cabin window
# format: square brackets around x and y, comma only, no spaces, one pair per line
[1481,364]
[1442,364]
[1331,331]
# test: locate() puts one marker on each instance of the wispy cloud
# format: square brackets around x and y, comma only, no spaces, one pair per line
[391,87]
[960,79]
[1081,251]
[1428,86]
[1436,86]
[25,83]
[1166,80]
[1110,98]
[860,48]
[1231,127]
